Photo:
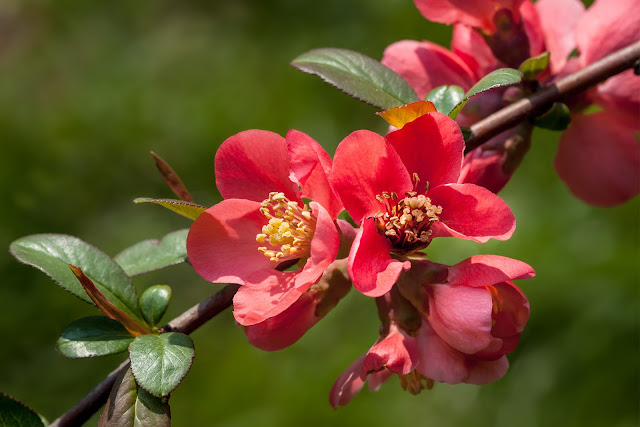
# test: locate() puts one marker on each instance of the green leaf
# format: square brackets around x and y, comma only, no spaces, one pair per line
[52,254]
[186,209]
[154,254]
[131,406]
[498,78]
[357,75]
[535,65]
[445,97]
[558,117]
[160,362]
[14,413]
[154,302]
[93,336]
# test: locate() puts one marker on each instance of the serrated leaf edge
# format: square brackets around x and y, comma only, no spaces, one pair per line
[181,378]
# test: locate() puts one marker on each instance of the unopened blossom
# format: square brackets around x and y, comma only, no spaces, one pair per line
[444,324]
[402,189]
[263,226]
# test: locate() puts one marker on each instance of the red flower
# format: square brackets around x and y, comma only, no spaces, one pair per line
[444,324]
[263,226]
[598,156]
[402,190]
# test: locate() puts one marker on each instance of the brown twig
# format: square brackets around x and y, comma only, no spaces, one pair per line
[563,88]
[186,323]
[482,131]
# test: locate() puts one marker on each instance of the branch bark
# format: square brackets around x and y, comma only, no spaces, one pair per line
[186,323]
[563,88]
[481,132]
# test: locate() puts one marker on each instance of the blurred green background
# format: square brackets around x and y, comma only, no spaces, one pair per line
[88,88]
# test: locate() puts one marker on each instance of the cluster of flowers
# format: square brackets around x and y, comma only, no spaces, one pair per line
[295,261]
[598,157]
[439,323]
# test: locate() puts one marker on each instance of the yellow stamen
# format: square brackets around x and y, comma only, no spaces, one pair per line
[289,230]
[496,299]
[407,222]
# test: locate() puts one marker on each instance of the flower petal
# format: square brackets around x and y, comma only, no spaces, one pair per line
[425,66]
[414,283]
[461,316]
[559,19]
[487,270]
[348,384]
[487,371]
[438,360]
[371,268]
[532,27]
[324,248]
[397,352]
[310,167]
[265,294]
[253,163]
[431,146]
[347,235]
[599,160]
[443,363]
[485,168]
[284,329]
[471,212]
[376,379]
[364,166]
[471,47]
[221,244]
[608,25]
[620,95]
[475,13]
[513,312]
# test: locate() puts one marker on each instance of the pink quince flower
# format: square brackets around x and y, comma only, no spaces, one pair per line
[402,189]
[598,157]
[426,65]
[263,227]
[444,324]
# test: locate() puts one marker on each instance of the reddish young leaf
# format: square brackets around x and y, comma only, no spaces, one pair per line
[105,305]
[171,178]
[400,116]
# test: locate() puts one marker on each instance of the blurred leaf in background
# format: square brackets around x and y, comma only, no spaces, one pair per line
[88,88]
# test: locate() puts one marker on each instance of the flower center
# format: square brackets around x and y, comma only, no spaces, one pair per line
[289,230]
[407,222]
